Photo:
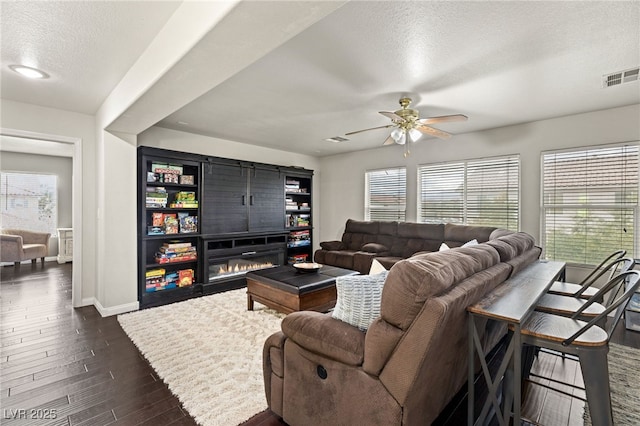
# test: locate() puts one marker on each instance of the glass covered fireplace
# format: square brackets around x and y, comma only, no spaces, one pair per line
[229,260]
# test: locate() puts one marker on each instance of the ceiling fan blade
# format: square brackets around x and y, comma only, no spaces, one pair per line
[393,116]
[366,130]
[443,119]
[389,141]
[433,132]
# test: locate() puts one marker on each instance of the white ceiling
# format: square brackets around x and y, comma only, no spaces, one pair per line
[499,63]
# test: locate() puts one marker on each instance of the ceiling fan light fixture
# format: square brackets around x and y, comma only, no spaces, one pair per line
[414,134]
[397,134]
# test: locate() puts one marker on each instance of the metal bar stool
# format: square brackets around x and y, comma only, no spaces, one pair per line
[587,341]
[584,288]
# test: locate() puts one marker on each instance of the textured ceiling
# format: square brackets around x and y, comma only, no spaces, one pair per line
[499,63]
[86,47]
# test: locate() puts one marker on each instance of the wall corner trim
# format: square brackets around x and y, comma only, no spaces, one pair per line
[115,310]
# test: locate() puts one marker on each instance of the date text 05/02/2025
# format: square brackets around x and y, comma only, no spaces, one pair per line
[30,414]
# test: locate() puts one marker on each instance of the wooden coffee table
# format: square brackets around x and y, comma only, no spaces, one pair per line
[287,290]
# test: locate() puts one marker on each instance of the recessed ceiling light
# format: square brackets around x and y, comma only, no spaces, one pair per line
[29,71]
[183,123]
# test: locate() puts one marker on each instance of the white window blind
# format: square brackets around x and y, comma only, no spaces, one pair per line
[386,194]
[590,202]
[29,201]
[475,192]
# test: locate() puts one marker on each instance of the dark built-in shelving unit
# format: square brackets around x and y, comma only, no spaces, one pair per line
[231,211]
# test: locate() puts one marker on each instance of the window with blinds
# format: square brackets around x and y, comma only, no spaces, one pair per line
[482,192]
[589,202]
[386,194]
[29,201]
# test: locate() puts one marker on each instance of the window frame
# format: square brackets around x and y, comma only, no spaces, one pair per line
[56,190]
[544,206]
[367,195]
[465,205]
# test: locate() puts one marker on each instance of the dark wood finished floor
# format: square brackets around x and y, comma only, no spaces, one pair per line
[78,368]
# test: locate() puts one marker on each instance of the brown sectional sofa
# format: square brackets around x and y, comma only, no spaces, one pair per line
[389,242]
[412,359]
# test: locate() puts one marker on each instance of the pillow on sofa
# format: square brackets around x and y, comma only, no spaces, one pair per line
[470,243]
[376,267]
[374,248]
[358,300]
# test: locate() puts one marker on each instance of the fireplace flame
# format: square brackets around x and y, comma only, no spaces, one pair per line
[237,268]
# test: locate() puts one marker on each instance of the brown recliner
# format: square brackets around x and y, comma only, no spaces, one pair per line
[412,359]
[17,245]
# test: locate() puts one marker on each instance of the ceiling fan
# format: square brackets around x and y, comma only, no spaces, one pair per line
[408,124]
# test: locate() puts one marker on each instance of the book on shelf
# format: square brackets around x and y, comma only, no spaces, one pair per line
[176,252]
[298,258]
[299,238]
[187,180]
[166,168]
[168,250]
[185,277]
[165,223]
[176,244]
[155,279]
[188,224]
[171,223]
[303,220]
[162,258]
[184,205]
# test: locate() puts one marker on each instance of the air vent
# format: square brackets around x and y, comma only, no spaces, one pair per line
[336,139]
[620,77]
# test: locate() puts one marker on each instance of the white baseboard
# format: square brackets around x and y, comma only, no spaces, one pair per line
[115,310]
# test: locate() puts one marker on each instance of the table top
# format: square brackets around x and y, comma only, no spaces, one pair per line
[513,300]
[290,279]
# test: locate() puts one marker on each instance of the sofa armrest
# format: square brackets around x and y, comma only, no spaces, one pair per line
[10,248]
[32,237]
[325,336]
[332,245]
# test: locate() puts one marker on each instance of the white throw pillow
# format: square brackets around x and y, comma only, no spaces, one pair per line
[470,243]
[443,247]
[376,267]
[359,297]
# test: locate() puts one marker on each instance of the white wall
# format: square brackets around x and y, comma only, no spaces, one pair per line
[117,288]
[342,178]
[32,118]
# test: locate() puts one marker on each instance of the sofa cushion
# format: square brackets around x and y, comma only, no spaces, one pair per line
[512,245]
[412,281]
[358,233]
[456,235]
[339,258]
[332,245]
[414,237]
[374,248]
[358,301]
[326,336]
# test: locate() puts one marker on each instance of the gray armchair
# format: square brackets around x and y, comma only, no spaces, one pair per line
[17,245]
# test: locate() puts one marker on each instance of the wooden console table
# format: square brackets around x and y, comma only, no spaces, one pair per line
[511,302]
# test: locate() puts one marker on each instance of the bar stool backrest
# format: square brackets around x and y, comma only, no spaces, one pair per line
[632,279]
[613,266]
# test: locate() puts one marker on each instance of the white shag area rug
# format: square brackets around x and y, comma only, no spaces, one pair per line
[208,351]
